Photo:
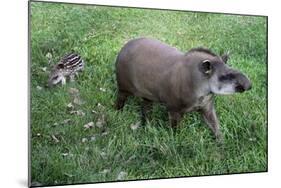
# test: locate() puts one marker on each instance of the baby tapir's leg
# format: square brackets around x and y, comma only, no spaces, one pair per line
[72,77]
[63,81]
[210,117]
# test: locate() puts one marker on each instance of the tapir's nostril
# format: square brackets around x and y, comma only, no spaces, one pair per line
[239,88]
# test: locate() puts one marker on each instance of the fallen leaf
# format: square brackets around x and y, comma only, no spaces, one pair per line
[44,69]
[78,112]
[89,125]
[49,55]
[77,100]
[103,154]
[38,134]
[252,139]
[95,112]
[73,91]
[135,126]
[105,171]
[55,139]
[64,154]
[69,175]
[84,140]
[101,122]
[70,106]
[100,106]
[104,133]
[122,175]
[66,121]
[93,138]
[102,89]
[56,124]
[39,88]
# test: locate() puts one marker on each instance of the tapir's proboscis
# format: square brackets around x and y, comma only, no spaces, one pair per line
[183,82]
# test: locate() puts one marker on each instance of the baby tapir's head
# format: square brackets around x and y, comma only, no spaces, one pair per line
[68,65]
[221,78]
[57,75]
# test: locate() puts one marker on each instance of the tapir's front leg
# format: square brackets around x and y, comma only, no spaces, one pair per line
[210,117]
[174,118]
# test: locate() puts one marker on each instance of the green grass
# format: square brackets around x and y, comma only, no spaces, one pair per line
[153,151]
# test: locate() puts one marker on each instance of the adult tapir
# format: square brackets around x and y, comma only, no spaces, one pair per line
[183,82]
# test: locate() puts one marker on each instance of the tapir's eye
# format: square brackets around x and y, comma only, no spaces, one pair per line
[227,77]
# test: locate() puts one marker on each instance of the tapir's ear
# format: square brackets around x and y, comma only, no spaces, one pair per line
[206,67]
[225,57]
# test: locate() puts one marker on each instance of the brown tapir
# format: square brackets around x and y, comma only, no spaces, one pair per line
[183,82]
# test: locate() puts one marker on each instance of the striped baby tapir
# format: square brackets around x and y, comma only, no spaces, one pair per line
[66,69]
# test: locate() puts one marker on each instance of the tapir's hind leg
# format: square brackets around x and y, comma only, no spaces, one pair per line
[121,99]
[145,109]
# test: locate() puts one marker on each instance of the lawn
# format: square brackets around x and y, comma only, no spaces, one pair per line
[65,151]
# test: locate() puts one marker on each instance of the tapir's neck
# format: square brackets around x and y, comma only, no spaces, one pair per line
[203,89]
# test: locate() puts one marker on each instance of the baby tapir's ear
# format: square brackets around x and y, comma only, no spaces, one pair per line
[60,66]
[206,67]
[225,57]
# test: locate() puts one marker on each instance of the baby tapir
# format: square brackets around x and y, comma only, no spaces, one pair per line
[183,82]
[66,68]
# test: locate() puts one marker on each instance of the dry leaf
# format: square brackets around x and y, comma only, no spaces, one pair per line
[44,69]
[64,154]
[66,121]
[89,125]
[93,138]
[49,55]
[105,171]
[122,175]
[103,154]
[73,91]
[252,139]
[135,126]
[70,106]
[101,122]
[77,100]
[104,133]
[100,106]
[69,175]
[95,112]
[39,88]
[78,112]
[55,139]
[102,89]
[84,140]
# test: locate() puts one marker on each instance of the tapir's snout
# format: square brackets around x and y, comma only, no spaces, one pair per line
[244,84]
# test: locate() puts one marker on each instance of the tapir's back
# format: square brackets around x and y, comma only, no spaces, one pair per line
[143,67]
